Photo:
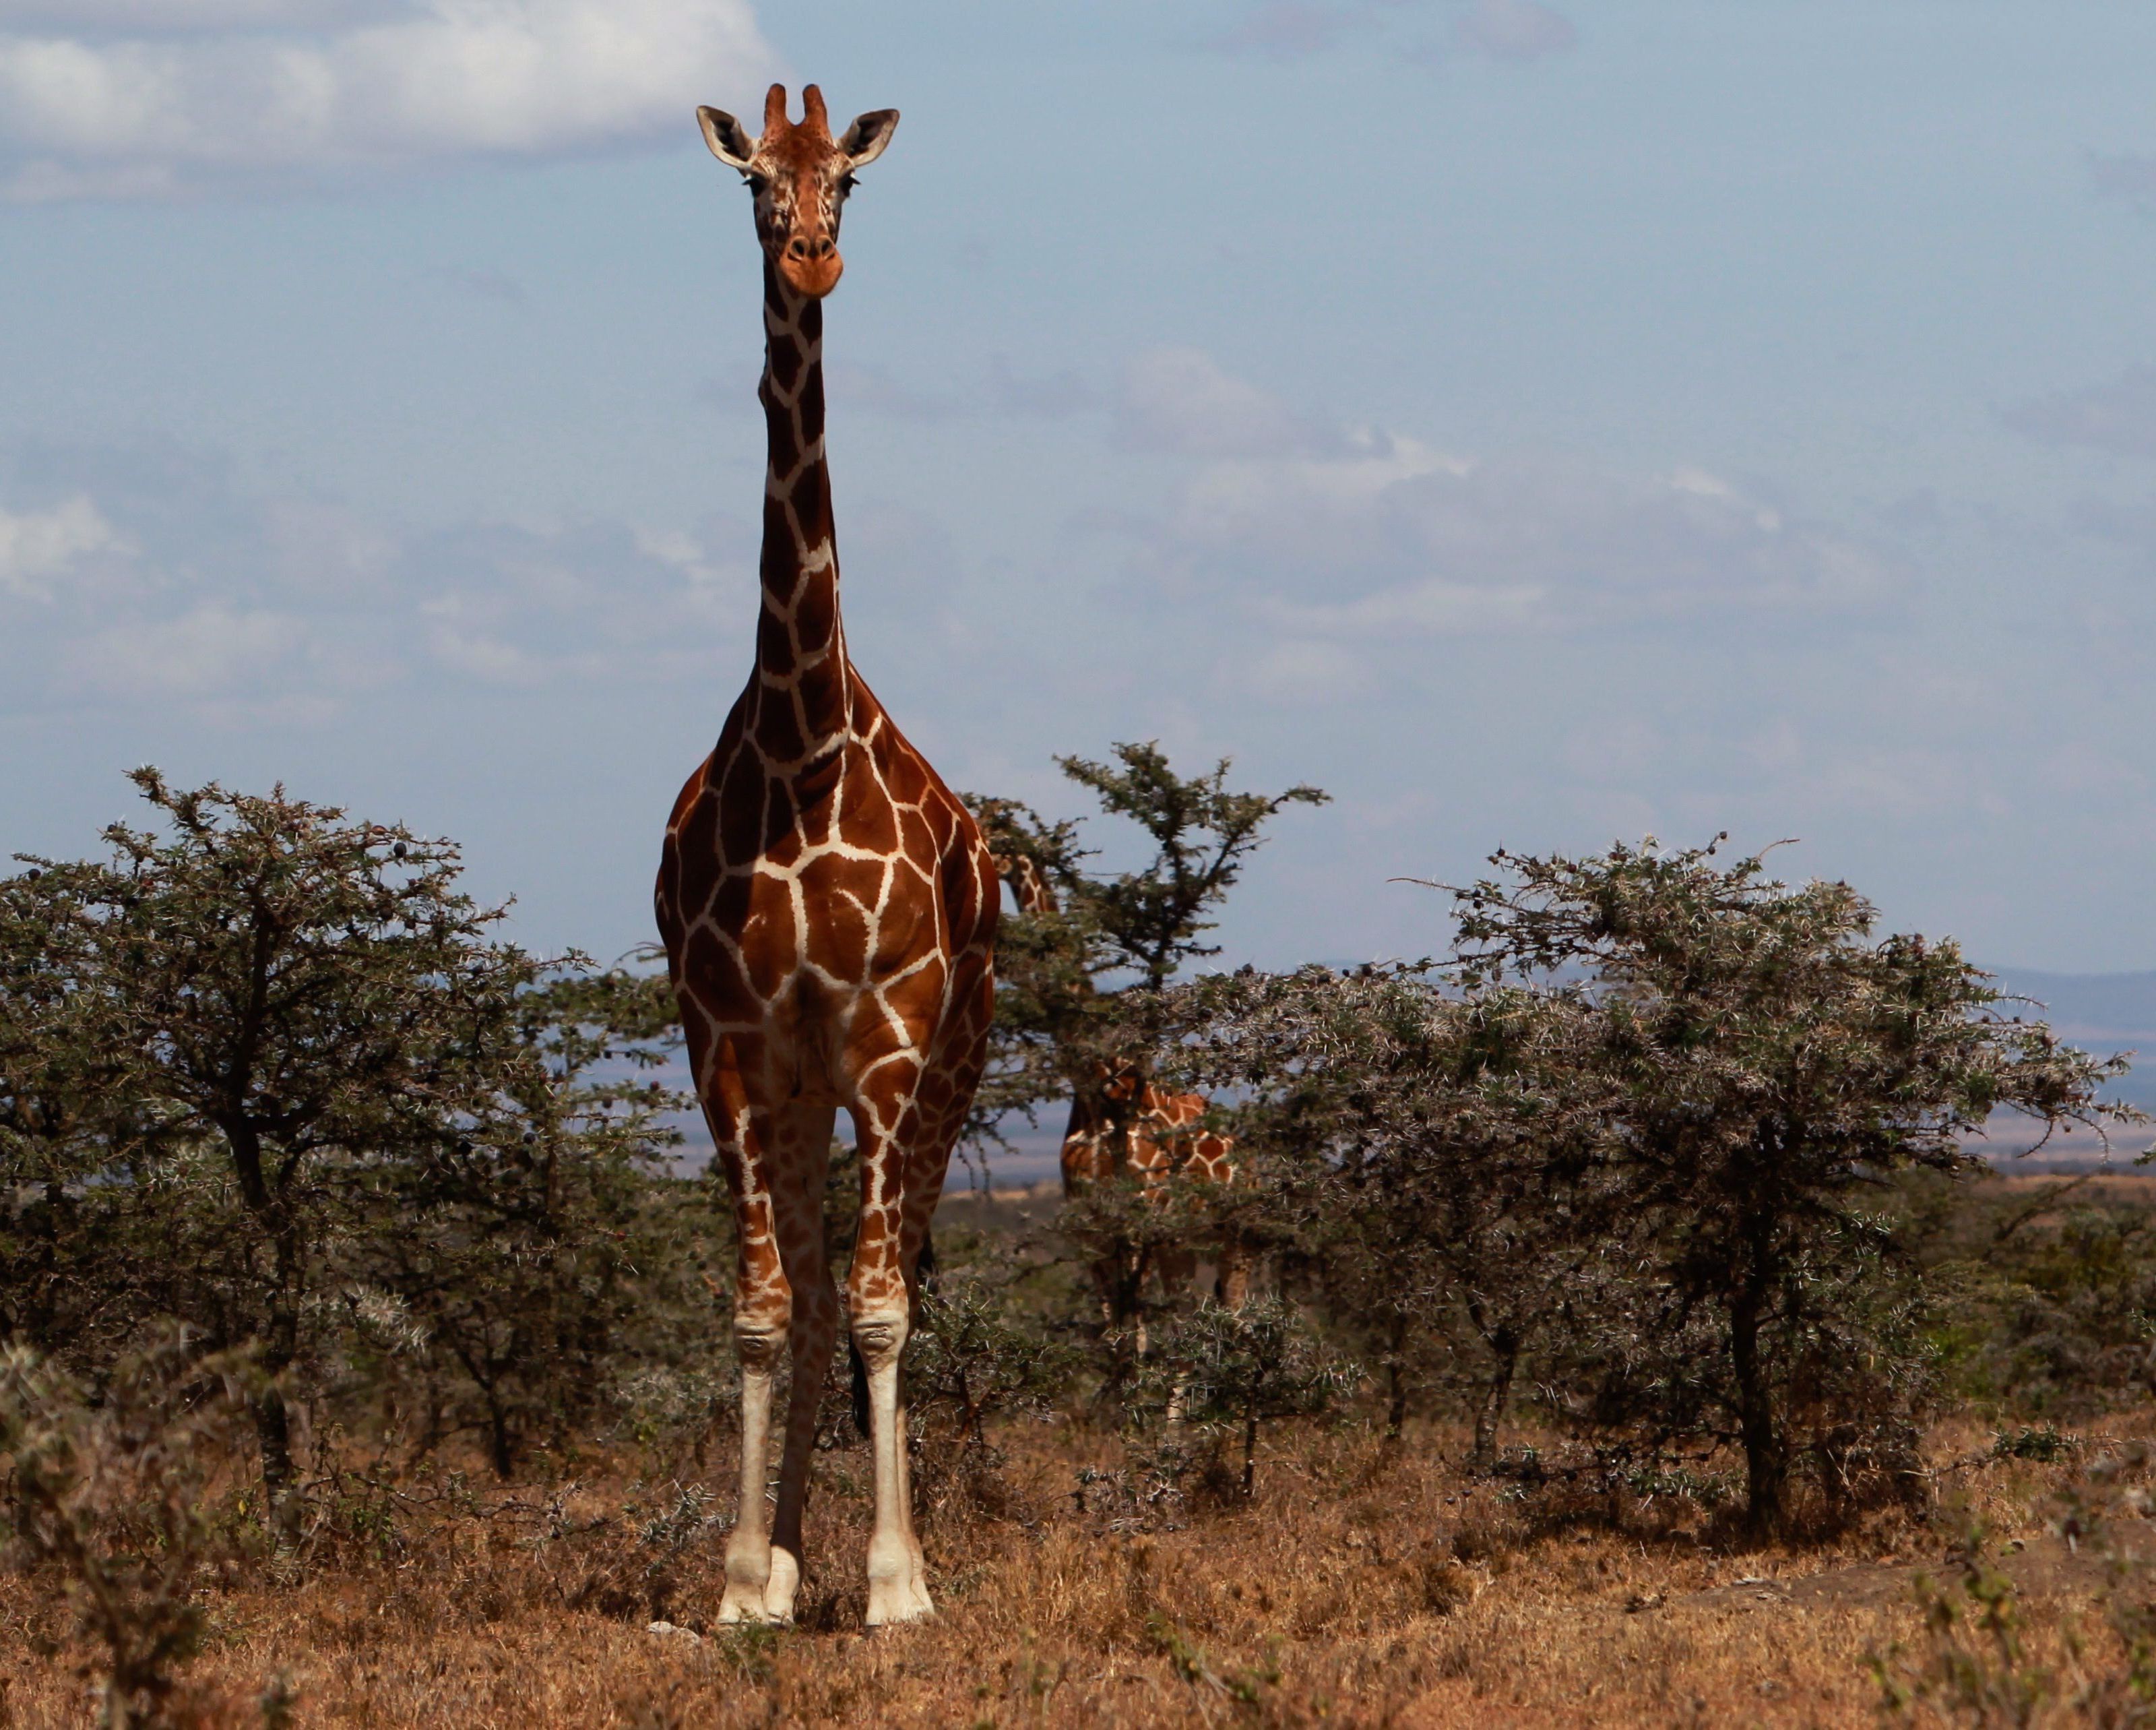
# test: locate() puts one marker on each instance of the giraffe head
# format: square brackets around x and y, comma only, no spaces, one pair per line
[800,175]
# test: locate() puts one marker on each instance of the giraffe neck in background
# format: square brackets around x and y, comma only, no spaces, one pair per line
[804,690]
[1029,887]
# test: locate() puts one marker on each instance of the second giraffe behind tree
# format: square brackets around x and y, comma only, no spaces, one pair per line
[1162,1138]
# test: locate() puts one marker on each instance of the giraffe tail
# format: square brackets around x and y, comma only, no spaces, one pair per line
[924,1281]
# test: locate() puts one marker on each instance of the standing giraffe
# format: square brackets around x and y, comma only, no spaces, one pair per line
[1157,1141]
[829,911]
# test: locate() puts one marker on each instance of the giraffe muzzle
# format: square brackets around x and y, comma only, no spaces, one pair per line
[812,264]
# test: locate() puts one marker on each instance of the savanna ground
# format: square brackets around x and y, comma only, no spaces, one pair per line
[1364,1582]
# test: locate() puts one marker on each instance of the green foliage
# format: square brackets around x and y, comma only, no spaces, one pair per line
[1439,1166]
[976,1352]
[1080,984]
[1214,1375]
[267,1070]
[1772,1063]
[1153,918]
[1639,1134]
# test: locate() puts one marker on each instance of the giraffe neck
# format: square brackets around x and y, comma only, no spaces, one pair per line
[805,703]
[1030,886]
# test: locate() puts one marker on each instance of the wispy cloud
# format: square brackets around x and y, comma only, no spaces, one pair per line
[1183,401]
[1312,531]
[1290,30]
[1513,30]
[2119,416]
[1516,30]
[40,549]
[134,580]
[126,99]
[2125,176]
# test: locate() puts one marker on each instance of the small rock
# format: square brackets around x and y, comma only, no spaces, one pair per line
[672,1632]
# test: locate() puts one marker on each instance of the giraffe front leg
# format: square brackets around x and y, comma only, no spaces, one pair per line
[764,1313]
[759,1337]
[895,1591]
[880,1309]
[759,1340]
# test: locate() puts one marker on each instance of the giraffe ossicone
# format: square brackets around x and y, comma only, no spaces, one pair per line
[829,909]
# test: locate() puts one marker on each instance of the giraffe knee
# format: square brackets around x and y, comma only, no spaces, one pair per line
[879,1336]
[760,1339]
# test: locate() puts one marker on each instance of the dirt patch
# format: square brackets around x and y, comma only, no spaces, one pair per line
[2042,1567]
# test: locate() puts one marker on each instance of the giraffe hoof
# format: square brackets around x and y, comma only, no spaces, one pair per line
[745,1609]
[898,1609]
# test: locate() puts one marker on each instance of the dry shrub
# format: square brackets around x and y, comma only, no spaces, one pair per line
[112,1499]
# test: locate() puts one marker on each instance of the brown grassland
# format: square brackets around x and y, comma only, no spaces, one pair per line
[1363,1586]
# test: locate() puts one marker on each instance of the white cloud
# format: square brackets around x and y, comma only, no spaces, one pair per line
[156,580]
[1432,607]
[39,547]
[1294,671]
[1513,30]
[257,95]
[190,17]
[1300,500]
[1316,532]
[212,650]
[1181,400]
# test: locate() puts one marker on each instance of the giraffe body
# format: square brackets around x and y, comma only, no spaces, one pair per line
[829,910]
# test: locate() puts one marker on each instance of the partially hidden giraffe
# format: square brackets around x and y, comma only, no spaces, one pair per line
[1158,1142]
[828,908]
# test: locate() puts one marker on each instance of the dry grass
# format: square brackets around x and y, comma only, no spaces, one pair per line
[1360,1588]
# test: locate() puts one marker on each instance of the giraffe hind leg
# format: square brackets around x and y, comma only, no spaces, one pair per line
[898,1195]
[763,1310]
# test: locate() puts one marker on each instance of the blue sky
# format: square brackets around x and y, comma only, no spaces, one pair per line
[1536,423]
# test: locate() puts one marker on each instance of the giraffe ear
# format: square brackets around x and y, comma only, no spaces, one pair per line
[865,138]
[730,143]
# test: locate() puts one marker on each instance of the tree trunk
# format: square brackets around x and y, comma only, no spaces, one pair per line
[1766,1462]
[1491,1411]
[280,1338]
[273,1421]
[273,1431]
[501,1439]
[1396,1403]
[1396,1382]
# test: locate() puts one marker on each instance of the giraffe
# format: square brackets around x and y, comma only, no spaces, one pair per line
[829,909]
[1157,1143]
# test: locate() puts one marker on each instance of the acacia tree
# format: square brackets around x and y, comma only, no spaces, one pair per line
[57,1089]
[1769,1063]
[1441,1162]
[1082,1007]
[296,1022]
[538,1254]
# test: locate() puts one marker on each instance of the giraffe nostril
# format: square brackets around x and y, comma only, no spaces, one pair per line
[796,248]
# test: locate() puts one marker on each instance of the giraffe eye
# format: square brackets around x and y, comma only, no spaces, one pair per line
[757,183]
[846,184]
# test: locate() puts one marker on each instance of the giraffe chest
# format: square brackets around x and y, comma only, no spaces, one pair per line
[826,883]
